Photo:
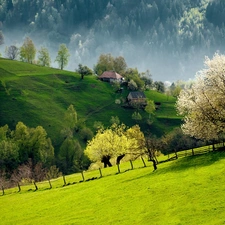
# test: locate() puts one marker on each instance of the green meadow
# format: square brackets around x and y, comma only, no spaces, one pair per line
[39,95]
[189,190]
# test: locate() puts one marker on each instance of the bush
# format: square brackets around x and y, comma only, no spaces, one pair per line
[132,86]
[86,134]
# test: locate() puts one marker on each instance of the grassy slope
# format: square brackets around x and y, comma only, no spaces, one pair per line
[39,96]
[186,191]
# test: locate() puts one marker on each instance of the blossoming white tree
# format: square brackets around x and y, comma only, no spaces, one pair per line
[203,105]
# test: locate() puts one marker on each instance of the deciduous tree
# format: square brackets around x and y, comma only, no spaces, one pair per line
[70,122]
[44,57]
[3,181]
[33,144]
[150,108]
[115,141]
[63,56]
[203,105]
[9,150]
[83,71]
[69,155]
[108,62]
[159,86]
[28,51]
[12,52]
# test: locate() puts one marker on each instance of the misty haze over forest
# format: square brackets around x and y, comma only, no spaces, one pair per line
[169,37]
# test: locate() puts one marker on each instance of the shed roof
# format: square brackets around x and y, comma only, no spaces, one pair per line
[137,94]
[111,75]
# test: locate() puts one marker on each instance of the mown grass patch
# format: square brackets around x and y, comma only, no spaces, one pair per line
[186,191]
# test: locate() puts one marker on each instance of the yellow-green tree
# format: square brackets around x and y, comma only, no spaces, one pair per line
[115,141]
[28,51]
[137,141]
[44,57]
[63,56]
[150,109]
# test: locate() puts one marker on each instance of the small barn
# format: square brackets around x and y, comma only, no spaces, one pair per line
[111,76]
[137,97]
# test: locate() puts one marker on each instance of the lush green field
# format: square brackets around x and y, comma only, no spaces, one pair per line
[39,95]
[186,191]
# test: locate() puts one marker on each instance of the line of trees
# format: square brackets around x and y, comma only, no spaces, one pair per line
[121,142]
[27,53]
[27,153]
[106,62]
[24,153]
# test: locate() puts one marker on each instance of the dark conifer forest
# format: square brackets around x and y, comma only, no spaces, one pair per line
[168,37]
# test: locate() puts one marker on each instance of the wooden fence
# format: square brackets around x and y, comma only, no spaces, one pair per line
[89,175]
[195,151]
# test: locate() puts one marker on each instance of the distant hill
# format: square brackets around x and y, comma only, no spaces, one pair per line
[170,38]
[40,96]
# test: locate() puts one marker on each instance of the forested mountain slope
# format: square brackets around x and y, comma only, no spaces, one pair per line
[169,37]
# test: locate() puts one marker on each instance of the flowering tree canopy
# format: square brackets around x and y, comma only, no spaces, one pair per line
[203,105]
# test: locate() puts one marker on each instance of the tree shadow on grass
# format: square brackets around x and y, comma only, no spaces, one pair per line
[185,163]
[206,159]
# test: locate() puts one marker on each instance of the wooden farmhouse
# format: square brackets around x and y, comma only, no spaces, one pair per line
[111,76]
[137,98]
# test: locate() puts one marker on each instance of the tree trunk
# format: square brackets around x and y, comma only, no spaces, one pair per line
[154,164]
[118,159]
[64,180]
[131,163]
[100,172]
[105,160]
[3,190]
[82,174]
[143,161]
[19,188]
[213,144]
[35,185]
[50,184]
[118,167]
[176,154]
[156,160]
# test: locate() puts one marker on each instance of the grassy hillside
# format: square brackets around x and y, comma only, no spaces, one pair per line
[40,96]
[186,191]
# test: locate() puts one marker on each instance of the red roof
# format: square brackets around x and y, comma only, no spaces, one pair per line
[111,75]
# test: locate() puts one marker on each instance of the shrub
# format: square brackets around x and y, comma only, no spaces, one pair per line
[86,134]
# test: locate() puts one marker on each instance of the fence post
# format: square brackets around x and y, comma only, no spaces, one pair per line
[82,173]
[192,151]
[176,154]
[64,180]
[143,161]
[131,163]
[100,172]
